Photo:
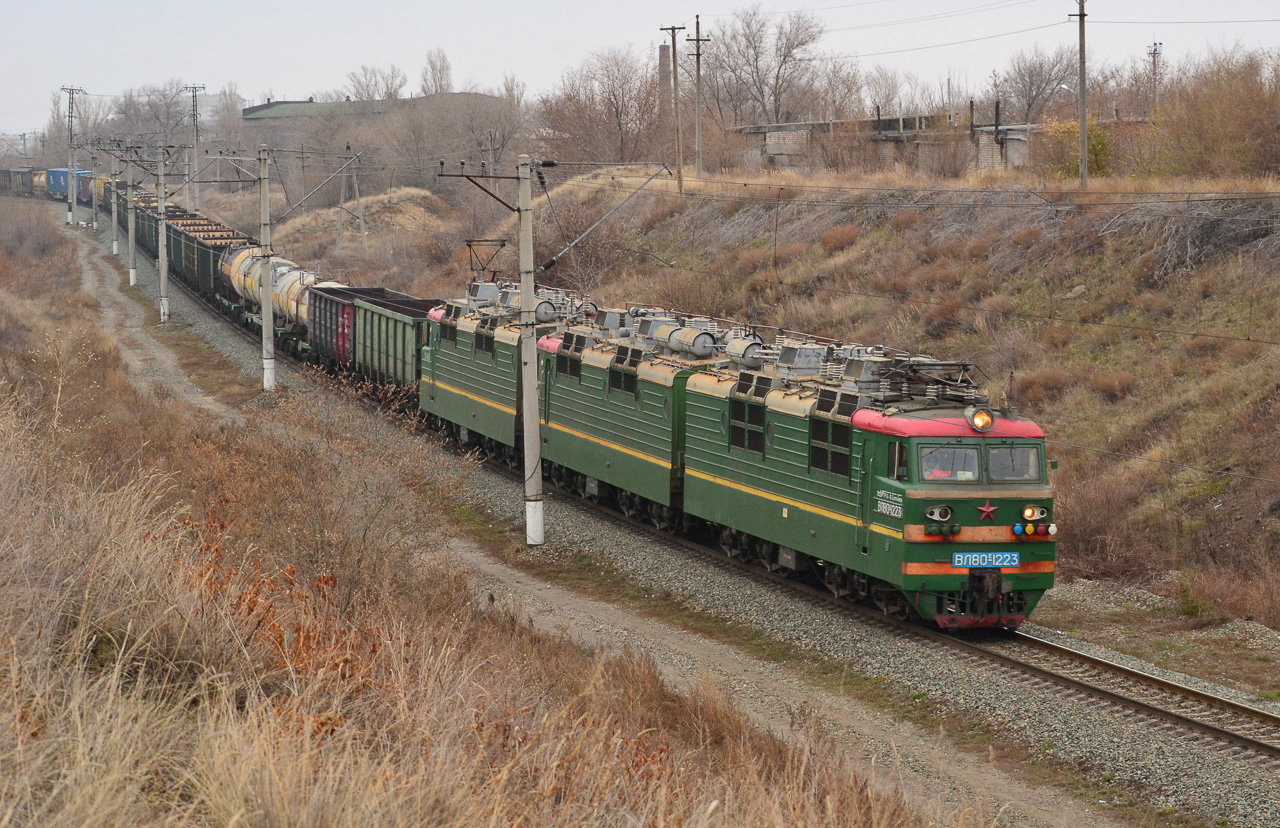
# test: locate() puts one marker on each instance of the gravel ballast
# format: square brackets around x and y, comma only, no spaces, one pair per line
[1167,770]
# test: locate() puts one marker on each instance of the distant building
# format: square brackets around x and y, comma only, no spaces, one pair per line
[916,140]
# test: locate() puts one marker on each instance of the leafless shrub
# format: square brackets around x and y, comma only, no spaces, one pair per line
[1042,385]
[1026,237]
[840,237]
[1113,386]
[660,211]
[752,259]
[906,220]
[1201,346]
[993,314]
[1157,306]
[788,253]
[939,319]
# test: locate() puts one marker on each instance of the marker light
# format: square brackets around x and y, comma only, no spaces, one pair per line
[1017,528]
[1030,513]
[1042,529]
[980,419]
[1053,528]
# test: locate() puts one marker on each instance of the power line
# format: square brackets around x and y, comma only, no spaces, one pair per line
[985,7]
[1184,22]
[935,45]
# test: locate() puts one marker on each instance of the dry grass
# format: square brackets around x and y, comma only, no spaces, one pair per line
[222,626]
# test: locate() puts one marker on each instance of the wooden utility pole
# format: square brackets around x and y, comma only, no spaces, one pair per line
[1082,99]
[675,86]
[697,40]
[265,277]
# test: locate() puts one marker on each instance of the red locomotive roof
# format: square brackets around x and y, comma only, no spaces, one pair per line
[551,343]
[924,426]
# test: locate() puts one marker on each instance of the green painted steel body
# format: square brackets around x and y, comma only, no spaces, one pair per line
[629,439]
[775,495]
[862,519]
[389,339]
[476,389]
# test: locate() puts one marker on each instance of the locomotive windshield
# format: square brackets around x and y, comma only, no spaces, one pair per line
[963,464]
[1014,463]
[958,463]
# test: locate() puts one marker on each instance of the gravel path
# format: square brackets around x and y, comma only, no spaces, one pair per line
[1169,772]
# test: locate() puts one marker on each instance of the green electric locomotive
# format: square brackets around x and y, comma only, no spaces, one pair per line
[886,474]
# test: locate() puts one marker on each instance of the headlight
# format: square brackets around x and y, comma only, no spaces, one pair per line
[980,419]
[1034,512]
[941,514]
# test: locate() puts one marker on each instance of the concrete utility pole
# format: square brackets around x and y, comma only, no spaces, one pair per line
[133,246]
[1154,51]
[71,151]
[697,40]
[93,189]
[675,86]
[534,534]
[162,257]
[193,166]
[1082,100]
[115,204]
[265,276]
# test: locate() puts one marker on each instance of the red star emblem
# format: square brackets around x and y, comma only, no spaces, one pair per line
[988,512]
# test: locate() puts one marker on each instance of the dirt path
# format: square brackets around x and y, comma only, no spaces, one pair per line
[921,765]
[150,364]
[917,762]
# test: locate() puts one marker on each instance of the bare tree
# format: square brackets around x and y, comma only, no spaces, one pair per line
[437,75]
[1033,77]
[762,70]
[884,90]
[605,110]
[373,84]
[838,91]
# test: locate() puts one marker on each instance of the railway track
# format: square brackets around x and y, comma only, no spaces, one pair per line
[1206,720]
[1209,721]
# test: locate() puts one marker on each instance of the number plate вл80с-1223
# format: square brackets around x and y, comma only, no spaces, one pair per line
[984,559]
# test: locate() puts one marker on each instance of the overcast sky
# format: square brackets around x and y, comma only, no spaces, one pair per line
[293,48]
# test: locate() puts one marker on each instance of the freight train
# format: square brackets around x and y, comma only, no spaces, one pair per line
[884,475]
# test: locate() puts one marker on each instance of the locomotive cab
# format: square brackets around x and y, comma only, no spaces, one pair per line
[975,512]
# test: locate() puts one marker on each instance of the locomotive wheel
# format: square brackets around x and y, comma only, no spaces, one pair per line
[627,502]
[890,602]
